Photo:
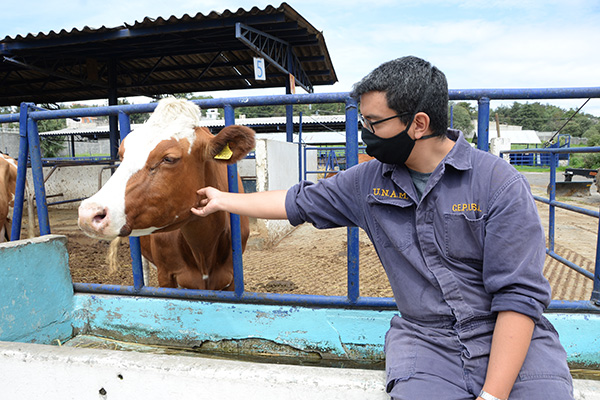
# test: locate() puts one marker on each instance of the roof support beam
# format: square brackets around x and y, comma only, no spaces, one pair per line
[54,73]
[278,52]
[219,54]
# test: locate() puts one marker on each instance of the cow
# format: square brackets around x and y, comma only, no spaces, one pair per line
[8,182]
[163,163]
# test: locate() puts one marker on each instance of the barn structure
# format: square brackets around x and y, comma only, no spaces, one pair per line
[158,56]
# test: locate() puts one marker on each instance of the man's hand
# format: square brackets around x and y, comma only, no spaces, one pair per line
[267,205]
[209,201]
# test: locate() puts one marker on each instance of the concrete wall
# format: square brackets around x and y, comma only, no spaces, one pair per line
[36,300]
[67,183]
[276,169]
[9,143]
[98,147]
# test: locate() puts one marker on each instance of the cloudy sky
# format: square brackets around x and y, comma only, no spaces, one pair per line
[478,44]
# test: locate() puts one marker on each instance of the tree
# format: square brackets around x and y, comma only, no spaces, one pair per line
[137,118]
[461,118]
[10,110]
[51,146]
[592,135]
[545,117]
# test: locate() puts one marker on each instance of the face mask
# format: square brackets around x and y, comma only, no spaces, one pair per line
[394,150]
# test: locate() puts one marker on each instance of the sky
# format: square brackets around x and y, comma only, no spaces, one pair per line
[477,44]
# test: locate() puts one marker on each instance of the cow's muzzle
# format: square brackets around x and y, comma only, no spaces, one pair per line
[95,221]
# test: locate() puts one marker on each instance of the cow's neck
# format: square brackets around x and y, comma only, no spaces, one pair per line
[201,233]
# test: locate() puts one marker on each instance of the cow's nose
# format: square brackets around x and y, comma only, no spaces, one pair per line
[93,217]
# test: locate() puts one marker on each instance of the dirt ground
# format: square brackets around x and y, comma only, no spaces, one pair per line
[309,261]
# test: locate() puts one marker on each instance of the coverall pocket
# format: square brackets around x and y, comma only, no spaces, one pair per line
[393,221]
[463,237]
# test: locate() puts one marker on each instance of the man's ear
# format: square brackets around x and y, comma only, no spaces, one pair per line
[421,125]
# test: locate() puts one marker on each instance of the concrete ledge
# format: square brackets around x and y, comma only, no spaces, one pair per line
[32,371]
[40,371]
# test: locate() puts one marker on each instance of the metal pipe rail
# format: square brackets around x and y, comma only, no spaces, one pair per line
[553,203]
[29,145]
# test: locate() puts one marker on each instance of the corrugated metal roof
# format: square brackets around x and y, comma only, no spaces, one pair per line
[156,56]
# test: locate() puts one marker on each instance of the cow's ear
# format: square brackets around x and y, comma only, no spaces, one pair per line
[232,144]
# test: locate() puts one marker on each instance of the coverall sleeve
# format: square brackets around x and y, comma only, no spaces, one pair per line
[330,203]
[514,252]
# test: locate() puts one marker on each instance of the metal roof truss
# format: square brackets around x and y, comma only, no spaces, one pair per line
[278,52]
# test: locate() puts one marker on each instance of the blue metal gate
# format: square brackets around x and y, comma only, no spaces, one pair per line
[29,146]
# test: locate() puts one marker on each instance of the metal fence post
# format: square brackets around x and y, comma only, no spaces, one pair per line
[234,219]
[300,149]
[134,242]
[351,160]
[483,124]
[15,233]
[552,198]
[37,172]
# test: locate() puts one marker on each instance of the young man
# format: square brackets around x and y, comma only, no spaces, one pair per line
[458,234]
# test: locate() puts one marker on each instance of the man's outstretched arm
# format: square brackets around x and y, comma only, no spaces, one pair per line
[266,205]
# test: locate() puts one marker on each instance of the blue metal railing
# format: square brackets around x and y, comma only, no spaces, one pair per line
[30,145]
[554,153]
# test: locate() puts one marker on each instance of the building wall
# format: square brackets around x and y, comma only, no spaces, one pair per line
[9,142]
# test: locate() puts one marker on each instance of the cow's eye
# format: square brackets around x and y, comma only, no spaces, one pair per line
[169,160]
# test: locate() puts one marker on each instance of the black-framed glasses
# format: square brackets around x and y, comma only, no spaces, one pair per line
[368,125]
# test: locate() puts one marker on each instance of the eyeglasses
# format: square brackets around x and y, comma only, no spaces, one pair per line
[369,125]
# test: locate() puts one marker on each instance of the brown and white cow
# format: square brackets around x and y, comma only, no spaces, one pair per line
[8,182]
[163,163]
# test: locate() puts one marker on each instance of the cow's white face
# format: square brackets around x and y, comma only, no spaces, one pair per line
[164,162]
[169,134]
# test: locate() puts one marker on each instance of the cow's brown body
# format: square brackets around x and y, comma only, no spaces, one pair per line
[8,181]
[153,190]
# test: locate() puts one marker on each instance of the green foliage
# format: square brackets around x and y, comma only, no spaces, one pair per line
[9,110]
[585,160]
[280,110]
[461,118]
[137,118]
[593,137]
[51,146]
[591,161]
[469,107]
[545,118]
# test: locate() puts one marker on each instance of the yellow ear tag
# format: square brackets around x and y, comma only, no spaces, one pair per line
[225,154]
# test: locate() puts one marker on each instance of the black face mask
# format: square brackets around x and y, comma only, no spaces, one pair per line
[394,150]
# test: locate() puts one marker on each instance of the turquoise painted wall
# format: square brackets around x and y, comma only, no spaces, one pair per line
[36,300]
[37,305]
[335,333]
